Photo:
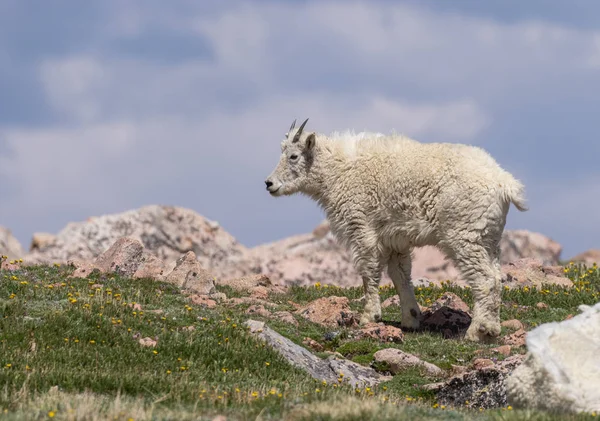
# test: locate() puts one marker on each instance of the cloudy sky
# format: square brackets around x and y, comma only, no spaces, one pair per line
[110,105]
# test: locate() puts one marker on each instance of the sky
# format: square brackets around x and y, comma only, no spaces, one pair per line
[109,105]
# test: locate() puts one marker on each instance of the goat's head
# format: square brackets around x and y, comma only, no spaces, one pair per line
[293,171]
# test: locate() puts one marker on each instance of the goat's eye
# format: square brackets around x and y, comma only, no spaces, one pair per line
[293,157]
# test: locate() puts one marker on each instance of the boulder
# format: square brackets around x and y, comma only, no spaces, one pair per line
[9,245]
[165,231]
[588,257]
[561,372]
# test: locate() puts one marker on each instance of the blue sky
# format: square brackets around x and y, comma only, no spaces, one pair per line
[109,105]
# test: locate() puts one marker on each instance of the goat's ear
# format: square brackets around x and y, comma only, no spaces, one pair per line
[310,141]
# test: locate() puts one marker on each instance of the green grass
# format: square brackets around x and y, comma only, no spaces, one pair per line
[68,348]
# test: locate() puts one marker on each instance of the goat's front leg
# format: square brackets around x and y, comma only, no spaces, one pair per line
[368,264]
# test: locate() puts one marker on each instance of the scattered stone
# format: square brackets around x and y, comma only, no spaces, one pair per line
[258,310]
[515,339]
[203,301]
[321,369]
[147,342]
[529,272]
[329,311]
[188,328]
[218,296]
[450,322]
[569,316]
[478,388]
[398,361]
[503,350]
[542,306]
[392,301]
[561,373]
[314,345]
[189,274]
[381,332]
[479,363]
[82,268]
[135,306]
[260,293]
[286,317]
[512,324]
[450,300]
[247,283]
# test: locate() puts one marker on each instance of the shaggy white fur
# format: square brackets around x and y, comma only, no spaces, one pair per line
[384,195]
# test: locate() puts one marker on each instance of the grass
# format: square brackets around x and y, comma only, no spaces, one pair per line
[69,349]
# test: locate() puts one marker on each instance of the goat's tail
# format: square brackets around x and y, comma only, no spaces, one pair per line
[514,192]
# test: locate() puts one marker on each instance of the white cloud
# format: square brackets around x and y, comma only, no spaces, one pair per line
[204,132]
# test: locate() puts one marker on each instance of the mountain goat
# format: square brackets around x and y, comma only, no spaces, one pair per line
[385,195]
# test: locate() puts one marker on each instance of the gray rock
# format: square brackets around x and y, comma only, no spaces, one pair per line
[482,388]
[328,370]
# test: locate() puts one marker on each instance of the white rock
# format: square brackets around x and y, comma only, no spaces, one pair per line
[562,369]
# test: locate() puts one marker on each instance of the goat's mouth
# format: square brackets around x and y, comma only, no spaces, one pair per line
[273,192]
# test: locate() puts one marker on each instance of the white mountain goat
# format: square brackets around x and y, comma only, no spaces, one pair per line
[384,195]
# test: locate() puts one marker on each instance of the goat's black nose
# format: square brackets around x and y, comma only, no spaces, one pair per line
[268,183]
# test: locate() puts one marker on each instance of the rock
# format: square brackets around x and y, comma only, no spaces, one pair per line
[286,317]
[448,321]
[450,300]
[258,310]
[218,296]
[321,369]
[480,363]
[165,231]
[147,342]
[588,257]
[317,257]
[82,268]
[503,350]
[126,257]
[381,332]
[330,312]
[9,245]
[123,257]
[260,293]
[392,301]
[41,241]
[189,274]
[516,339]
[542,306]
[399,361]
[529,272]
[321,230]
[513,324]
[561,372]
[522,244]
[247,283]
[314,345]
[203,301]
[480,388]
